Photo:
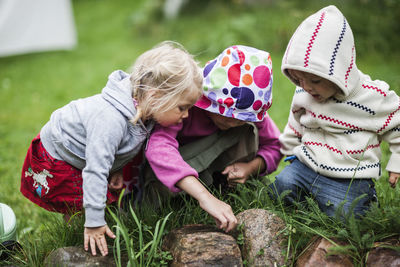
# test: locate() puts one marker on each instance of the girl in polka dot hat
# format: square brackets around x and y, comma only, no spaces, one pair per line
[226,138]
[238,84]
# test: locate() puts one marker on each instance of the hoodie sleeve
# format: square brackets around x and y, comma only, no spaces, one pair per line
[101,147]
[292,133]
[393,139]
[164,158]
[269,146]
[390,129]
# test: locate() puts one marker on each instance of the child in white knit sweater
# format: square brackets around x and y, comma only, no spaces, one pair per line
[338,118]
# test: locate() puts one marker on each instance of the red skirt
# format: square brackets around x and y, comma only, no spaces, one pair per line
[57,186]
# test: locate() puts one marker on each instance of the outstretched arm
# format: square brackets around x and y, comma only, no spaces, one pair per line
[164,158]
[390,130]
[219,210]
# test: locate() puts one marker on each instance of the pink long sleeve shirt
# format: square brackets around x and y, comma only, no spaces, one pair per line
[169,166]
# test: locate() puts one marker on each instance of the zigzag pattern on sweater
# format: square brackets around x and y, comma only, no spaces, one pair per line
[295,131]
[327,118]
[311,143]
[351,131]
[357,105]
[311,42]
[308,155]
[336,121]
[359,168]
[364,108]
[337,169]
[335,50]
[312,113]
[346,77]
[359,151]
[389,118]
[374,88]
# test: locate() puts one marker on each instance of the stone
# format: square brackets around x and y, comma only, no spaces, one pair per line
[316,255]
[262,240]
[78,257]
[201,245]
[381,255]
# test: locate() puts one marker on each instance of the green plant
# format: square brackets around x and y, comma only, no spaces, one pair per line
[147,251]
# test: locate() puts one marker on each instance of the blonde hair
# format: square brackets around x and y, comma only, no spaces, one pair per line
[160,77]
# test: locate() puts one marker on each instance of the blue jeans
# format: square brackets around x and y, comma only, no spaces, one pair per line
[327,192]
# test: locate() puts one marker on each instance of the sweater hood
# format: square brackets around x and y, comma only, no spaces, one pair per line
[323,45]
[118,92]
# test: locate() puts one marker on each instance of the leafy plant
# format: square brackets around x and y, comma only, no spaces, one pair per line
[147,251]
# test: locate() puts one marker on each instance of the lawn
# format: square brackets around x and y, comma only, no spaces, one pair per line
[112,34]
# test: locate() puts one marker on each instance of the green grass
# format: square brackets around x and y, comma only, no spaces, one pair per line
[34,85]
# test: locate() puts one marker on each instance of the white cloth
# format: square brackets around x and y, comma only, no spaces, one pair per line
[36,25]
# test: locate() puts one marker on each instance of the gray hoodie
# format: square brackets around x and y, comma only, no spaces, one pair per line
[94,134]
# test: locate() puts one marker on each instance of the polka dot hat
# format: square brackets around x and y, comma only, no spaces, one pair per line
[238,84]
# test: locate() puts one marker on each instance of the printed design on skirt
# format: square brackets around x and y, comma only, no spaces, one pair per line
[39,180]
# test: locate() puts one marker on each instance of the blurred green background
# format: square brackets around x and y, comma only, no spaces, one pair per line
[112,33]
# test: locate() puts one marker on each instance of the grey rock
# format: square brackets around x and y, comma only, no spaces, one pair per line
[262,240]
[382,255]
[316,255]
[78,257]
[201,245]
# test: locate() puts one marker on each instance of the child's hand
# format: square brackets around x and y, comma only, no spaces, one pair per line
[95,235]
[116,181]
[220,211]
[393,178]
[237,173]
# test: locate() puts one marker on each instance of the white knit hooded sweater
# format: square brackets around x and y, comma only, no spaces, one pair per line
[339,138]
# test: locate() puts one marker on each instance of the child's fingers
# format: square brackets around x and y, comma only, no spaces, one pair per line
[237,180]
[102,245]
[227,221]
[86,242]
[116,183]
[217,222]
[226,170]
[120,184]
[223,223]
[232,222]
[115,186]
[109,232]
[93,245]
[232,182]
